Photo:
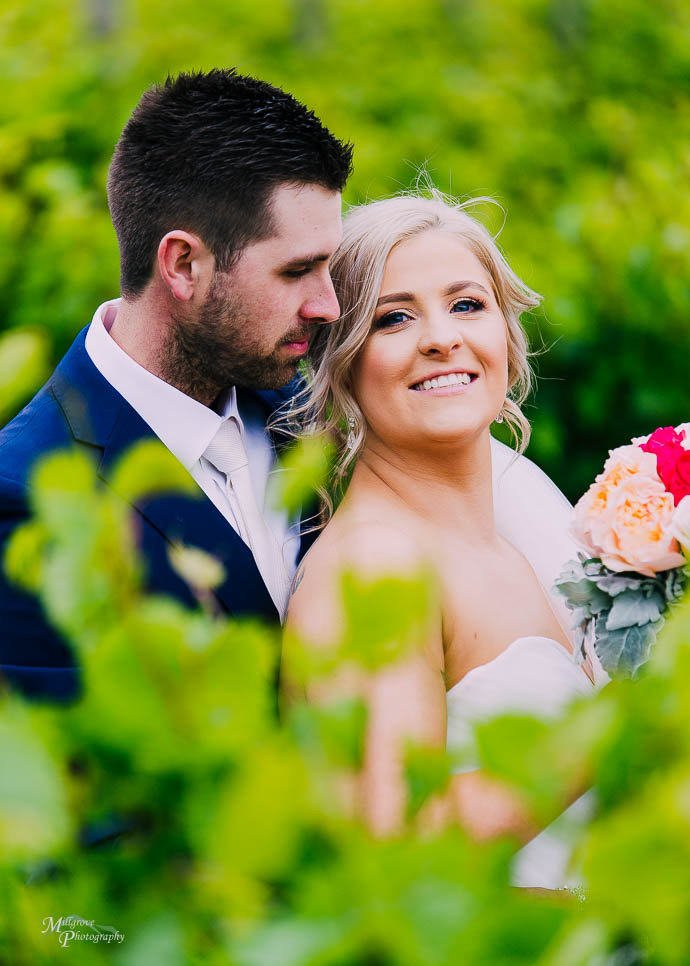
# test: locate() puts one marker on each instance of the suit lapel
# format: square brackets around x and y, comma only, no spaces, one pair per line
[194,521]
[99,417]
[272,400]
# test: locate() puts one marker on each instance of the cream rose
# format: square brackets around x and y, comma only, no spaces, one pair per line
[681,525]
[626,515]
[592,519]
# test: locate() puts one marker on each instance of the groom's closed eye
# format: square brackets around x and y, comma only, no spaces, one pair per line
[297,272]
[303,266]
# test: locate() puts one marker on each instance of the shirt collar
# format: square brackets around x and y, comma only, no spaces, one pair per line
[184,425]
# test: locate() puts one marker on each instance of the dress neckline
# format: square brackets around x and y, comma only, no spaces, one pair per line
[518,640]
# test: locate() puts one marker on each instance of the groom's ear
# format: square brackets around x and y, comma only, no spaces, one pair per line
[185,264]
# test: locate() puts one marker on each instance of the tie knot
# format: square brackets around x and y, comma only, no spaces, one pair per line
[226,450]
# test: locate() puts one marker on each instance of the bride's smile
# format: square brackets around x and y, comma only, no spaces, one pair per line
[435,363]
[450,381]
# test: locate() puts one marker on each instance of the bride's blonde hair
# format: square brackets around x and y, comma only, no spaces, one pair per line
[370,233]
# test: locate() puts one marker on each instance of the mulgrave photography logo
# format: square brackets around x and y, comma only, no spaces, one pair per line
[74,929]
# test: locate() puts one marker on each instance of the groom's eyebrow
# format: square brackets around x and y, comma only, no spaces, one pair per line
[306,260]
[450,290]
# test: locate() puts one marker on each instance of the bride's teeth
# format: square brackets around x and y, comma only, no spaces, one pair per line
[452,379]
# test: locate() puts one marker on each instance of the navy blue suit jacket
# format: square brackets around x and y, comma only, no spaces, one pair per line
[77,406]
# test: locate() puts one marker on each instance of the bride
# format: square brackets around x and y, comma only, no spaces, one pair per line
[428,353]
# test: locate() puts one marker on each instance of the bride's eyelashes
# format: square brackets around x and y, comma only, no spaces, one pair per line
[468,304]
[397,317]
[391,320]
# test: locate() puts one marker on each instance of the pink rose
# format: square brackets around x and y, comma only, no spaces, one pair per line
[663,437]
[676,476]
[625,516]
[685,429]
[673,460]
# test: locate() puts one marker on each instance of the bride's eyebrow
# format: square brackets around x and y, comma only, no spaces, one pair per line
[467,283]
[453,287]
[395,297]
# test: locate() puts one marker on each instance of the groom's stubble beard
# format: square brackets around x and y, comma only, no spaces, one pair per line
[219,348]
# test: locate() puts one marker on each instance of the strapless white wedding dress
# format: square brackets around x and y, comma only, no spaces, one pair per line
[536,676]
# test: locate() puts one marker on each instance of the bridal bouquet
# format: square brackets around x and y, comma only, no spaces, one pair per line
[634,525]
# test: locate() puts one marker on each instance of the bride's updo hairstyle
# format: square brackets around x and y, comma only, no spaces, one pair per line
[370,233]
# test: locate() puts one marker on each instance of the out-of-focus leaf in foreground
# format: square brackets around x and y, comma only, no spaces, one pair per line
[187,793]
[426,772]
[385,617]
[34,811]
[24,365]
[79,546]
[149,468]
[301,470]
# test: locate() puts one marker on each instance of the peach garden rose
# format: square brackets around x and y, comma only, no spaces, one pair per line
[625,516]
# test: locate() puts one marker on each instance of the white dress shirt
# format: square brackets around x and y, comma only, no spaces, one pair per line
[186,427]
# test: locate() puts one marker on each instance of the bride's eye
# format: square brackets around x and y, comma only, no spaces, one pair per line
[467,304]
[391,319]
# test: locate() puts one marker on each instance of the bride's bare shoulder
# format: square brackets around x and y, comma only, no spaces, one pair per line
[369,546]
[365,542]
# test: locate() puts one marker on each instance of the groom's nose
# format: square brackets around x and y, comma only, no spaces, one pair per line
[323,305]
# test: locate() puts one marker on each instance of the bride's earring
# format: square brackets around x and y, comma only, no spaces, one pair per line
[500,417]
[350,442]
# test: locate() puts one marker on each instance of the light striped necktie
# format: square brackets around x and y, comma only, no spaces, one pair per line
[227,453]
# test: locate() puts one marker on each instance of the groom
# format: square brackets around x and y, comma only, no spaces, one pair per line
[225,196]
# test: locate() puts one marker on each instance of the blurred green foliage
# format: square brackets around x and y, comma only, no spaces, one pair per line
[172,807]
[23,366]
[220,836]
[574,114]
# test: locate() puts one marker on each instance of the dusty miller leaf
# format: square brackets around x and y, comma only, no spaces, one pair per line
[622,652]
[594,568]
[583,597]
[674,584]
[615,584]
[579,638]
[630,608]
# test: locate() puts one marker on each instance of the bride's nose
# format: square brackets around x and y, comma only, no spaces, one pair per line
[440,334]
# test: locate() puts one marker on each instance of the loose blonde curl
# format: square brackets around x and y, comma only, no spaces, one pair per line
[370,232]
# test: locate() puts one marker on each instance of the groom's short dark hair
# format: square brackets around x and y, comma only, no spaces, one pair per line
[203,152]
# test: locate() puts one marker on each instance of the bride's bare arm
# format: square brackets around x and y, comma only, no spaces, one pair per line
[406,700]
